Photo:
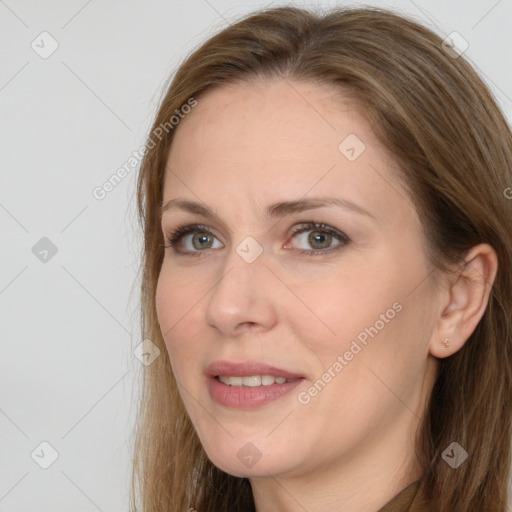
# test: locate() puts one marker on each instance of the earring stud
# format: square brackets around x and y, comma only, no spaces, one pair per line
[446,342]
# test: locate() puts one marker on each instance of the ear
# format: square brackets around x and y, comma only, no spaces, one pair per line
[464,300]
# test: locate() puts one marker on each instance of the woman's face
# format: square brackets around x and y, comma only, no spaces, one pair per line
[345,310]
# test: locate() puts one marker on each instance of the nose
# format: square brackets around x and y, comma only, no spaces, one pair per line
[244,297]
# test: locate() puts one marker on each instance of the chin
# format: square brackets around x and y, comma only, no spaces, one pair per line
[240,470]
[244,459]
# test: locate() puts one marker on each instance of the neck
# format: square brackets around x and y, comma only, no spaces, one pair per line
[361,481]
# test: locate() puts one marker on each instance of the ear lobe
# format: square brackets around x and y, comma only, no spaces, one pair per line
[467,297]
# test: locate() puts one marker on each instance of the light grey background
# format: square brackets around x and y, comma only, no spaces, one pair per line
[69,325]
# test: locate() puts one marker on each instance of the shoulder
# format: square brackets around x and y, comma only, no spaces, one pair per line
[409,499]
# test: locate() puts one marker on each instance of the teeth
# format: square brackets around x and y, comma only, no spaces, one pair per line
[252,380]
[266,380]
[237,381]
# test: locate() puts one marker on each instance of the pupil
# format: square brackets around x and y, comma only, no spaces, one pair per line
[200,238]
[317,239]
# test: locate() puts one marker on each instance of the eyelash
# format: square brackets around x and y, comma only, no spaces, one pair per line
[175,236]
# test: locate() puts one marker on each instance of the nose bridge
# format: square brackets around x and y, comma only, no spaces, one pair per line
[245,265]
[243,292]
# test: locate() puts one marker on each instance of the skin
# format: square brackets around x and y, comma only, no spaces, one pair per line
[351,447]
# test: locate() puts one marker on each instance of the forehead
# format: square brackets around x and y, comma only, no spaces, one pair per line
[277,140]
[280,115]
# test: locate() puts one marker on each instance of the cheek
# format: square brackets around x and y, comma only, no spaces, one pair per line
[178,297]
[369,314]
[177,308]
[331,309]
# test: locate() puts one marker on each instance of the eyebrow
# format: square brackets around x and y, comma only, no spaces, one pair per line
[275,210]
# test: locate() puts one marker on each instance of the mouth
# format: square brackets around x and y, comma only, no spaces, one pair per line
[253,381]
[249,384]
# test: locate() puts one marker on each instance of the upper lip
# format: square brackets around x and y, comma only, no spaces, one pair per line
[248,368]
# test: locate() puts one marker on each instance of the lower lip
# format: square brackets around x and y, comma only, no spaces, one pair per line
[244,397]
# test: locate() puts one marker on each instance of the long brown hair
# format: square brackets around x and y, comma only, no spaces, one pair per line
[453,148]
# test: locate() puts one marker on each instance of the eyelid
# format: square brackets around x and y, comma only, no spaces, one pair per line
[320,226]
[177,234]
[340,236]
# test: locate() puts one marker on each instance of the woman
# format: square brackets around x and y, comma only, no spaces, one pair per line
[327,274]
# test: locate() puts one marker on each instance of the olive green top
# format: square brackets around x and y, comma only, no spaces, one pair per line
[407,500]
